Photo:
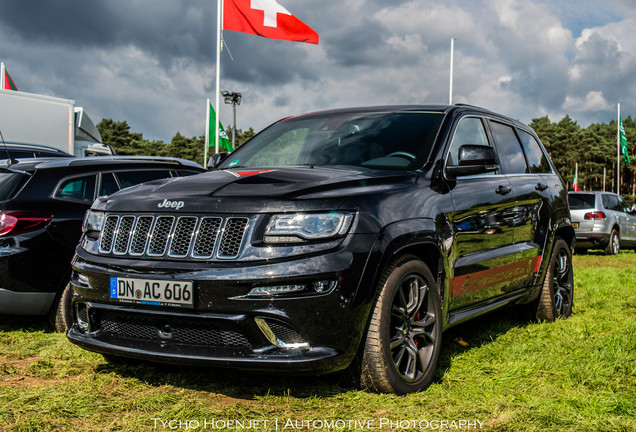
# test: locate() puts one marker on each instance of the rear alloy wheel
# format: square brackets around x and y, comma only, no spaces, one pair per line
[557,293]
[614,245]
[403,341]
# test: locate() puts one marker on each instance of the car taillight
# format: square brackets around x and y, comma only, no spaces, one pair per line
[594,215]
[15,222]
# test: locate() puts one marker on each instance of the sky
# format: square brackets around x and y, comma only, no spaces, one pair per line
[152,62]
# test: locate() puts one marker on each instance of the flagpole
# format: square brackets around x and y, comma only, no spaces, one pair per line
[618,151]
[450,87]
[2,74]
[207,133]
[219,46]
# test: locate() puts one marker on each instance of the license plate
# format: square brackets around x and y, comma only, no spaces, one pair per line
[575,224]
[152,292]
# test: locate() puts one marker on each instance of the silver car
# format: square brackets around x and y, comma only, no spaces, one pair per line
[602,220]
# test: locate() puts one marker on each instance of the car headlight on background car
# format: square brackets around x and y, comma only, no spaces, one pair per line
[93,221]
[303,227]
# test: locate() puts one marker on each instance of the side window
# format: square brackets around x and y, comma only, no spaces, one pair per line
[537,161]
[109,184]
[131,178]
[606,202]
[78,188]
[470,130]
[19,154]
[616,206]
[623,205]
[509,149]
[184,173]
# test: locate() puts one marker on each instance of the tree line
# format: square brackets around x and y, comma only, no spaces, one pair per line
[118,135]
[593,148]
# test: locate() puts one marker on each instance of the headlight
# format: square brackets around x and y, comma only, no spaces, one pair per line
[93,221]
[302,227]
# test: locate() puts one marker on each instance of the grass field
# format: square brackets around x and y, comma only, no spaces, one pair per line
[572,375]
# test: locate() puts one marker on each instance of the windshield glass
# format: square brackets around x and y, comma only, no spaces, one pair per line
[395,140]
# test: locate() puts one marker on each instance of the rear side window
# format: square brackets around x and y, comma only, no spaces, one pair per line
[537,161]
[131,178]
[77,189]
[10,184]
[581,201]
[610,202]
[509,149]
[184,173]
[109,184]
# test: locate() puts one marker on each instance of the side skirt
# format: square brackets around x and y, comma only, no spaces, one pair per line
[464,314]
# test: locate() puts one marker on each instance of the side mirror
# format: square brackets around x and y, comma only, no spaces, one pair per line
[474,159]
[216,159]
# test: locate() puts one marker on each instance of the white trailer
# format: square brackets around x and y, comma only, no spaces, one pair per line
[44,120]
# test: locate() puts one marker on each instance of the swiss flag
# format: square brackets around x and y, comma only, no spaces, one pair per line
[266,18]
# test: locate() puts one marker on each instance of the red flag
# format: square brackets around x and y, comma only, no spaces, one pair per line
[266,18]
[8,82]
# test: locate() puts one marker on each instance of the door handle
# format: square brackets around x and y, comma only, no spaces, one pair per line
[503,190]
[541,187]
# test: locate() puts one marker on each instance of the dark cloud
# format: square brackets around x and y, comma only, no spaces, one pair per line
[152,62]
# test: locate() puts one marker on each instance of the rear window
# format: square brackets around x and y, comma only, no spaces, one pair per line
[10,184]
[581,201]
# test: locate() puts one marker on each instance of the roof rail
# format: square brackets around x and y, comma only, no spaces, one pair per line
[175,160]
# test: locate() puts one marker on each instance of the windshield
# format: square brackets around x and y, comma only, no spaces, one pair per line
[396,140]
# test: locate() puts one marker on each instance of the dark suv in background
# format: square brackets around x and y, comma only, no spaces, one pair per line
[338,239]
[42,205]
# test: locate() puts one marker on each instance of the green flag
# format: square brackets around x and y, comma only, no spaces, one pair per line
[224,142]
[623,140]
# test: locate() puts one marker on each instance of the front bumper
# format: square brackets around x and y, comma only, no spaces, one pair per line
[316,333]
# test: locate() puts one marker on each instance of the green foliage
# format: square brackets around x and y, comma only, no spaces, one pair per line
[593,148]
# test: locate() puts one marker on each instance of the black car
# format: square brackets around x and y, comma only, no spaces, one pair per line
[339,239]
[14,150]
[42,205]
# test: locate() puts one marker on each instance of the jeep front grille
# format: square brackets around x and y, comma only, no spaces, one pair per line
[173,237]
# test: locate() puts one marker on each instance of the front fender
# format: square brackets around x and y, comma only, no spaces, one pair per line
[419,237]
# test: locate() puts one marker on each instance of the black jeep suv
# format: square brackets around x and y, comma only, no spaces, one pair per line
[42,205]
[339,239]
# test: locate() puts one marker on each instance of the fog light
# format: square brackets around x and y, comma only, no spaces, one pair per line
[323,286]
[81,312]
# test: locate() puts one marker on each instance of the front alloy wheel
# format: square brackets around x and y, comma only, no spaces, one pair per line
[403,341]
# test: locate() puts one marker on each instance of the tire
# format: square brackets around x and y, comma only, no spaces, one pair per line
[61,312]
[557,293]
[614,245]
[402,345]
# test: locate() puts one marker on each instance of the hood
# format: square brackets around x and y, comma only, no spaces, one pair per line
[244,189]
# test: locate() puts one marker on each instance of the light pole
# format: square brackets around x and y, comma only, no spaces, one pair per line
[233,98]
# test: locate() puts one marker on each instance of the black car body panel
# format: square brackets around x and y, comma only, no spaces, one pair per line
[484,237]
